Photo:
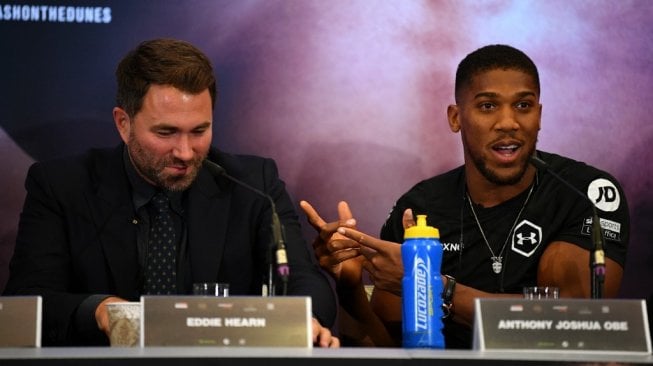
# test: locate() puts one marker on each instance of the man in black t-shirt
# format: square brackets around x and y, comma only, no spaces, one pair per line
[551,212]
[503,224]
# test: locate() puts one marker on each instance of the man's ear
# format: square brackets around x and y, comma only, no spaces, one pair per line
[539,118]
[453,116]
[123,123]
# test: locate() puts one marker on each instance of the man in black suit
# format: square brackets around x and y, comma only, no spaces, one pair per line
[84,237]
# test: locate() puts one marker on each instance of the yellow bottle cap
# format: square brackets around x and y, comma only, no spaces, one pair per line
[421,230]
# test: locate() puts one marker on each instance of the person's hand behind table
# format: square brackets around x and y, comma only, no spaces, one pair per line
[322,336]
[337,255]
[102,315]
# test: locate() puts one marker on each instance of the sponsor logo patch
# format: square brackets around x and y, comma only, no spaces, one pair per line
[611,229]
[604,194]
[526,238]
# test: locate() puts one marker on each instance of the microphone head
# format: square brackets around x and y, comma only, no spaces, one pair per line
[214,168]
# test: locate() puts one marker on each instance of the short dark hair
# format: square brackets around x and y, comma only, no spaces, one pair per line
[162,62]
[493,57]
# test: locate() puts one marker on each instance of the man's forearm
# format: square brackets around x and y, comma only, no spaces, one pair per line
[357,321]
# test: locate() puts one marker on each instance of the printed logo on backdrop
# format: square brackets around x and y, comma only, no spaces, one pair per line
[55,13]
[526,238]
[604,194]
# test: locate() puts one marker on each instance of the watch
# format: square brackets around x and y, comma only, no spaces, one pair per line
[447,296]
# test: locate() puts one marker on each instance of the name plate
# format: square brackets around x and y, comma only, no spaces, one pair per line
[20,321]
[234,321]
[605,325]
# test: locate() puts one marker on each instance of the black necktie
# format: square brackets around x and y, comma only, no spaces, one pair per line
[160,271]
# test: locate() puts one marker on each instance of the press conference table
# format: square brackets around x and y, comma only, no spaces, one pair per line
[199,356]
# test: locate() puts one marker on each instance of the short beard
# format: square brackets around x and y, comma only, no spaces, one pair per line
[494,178]
[152,169]
[491,175]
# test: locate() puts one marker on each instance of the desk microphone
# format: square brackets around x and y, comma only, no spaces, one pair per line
[597,258]
[277,229]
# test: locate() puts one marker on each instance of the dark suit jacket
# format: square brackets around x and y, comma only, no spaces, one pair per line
[77,238]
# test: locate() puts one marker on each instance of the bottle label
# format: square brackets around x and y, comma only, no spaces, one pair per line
[423,300]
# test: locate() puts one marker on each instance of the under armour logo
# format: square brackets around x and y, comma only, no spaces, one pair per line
[526,238]
[532,238]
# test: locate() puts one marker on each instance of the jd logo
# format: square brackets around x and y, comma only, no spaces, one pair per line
[527,238]
[604,194]
[607,194]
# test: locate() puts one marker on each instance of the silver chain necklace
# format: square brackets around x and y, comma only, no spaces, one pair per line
[497,260]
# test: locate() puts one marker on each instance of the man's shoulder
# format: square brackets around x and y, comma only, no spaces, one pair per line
[441,182]
[72,177]
[603,189]
[232,160]
[436,197]
[573,170]
[80,164]
[243,166]
[436,190]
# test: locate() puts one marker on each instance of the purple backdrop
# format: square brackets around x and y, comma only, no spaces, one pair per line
[348,96]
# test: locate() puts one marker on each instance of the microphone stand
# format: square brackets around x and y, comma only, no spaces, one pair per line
[597,260]
[597,256]
[277,233]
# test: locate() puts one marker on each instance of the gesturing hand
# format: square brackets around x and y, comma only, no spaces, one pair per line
[383,258]
[336,254]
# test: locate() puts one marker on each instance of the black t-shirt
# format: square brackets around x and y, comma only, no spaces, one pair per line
[553,213]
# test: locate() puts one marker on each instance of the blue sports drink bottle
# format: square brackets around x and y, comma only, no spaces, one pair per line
[421,254]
